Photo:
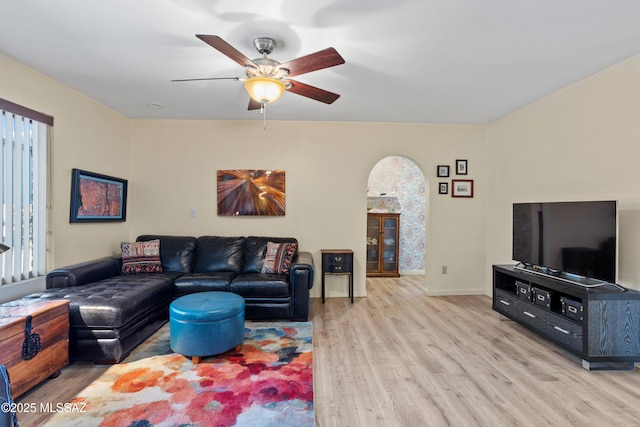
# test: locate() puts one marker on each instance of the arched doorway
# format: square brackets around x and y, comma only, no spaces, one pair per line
[397,183]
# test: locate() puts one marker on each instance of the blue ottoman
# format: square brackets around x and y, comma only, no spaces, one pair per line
[206,324]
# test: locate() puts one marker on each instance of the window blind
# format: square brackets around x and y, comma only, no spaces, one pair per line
[23,157]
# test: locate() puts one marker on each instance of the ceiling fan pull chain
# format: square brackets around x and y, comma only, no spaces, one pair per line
[263,109]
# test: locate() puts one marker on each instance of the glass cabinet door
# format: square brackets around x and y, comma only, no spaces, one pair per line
[373,233]
[389,254]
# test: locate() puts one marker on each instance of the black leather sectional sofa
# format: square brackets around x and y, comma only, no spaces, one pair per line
[111,313]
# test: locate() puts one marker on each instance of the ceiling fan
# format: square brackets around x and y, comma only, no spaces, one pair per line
[266,79]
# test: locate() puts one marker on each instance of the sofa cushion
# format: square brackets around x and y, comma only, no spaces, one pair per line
[215,253]
[202,282]
[255,249]
[141,257]
[278,257]
[113,302]
[176,252]
[257,285]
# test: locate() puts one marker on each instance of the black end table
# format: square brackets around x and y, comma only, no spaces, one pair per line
[339,262]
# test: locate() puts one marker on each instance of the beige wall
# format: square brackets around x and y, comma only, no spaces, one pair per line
[327,166]
[87,135]
[171,168]
[580,143]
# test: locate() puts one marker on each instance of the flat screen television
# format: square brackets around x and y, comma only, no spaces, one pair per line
[577,238]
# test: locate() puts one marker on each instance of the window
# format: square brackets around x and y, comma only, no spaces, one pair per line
[23,181]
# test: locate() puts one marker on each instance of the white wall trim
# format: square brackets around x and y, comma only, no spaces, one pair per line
[22,288]
[411,272]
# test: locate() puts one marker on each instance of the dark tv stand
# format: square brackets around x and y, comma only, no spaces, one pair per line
[605,333]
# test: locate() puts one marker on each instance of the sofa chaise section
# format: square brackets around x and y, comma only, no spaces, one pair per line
[109,313]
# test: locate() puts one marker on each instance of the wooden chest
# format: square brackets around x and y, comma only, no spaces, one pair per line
[50,320]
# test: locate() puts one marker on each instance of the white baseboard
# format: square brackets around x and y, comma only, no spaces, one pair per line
[411,272]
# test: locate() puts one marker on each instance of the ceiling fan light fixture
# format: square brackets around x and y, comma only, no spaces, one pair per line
[264,89]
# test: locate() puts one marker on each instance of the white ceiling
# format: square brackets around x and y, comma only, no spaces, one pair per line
[421,61]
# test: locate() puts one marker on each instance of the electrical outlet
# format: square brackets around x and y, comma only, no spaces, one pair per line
[193,213]
[444,269]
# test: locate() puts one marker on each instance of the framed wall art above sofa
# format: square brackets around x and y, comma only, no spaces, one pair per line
[251,192]
[97,198]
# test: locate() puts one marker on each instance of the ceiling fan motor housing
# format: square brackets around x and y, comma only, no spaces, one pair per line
[265,45]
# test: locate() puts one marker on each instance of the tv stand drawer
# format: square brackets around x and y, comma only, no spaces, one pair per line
[564,331]
[531,315]
[507,303]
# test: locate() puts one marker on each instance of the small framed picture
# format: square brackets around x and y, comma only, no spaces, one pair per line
[461,167]
[462,188]
[443,188]
[443,171]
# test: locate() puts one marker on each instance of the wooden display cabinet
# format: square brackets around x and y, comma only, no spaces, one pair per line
[383,236]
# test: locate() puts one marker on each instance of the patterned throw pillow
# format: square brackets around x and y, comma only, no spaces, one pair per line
[141,257]
[278,257]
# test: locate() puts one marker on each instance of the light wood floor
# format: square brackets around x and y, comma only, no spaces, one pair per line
[402,358]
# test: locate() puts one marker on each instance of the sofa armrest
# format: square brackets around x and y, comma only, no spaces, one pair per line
[301,280]
[302,263]
[83,273]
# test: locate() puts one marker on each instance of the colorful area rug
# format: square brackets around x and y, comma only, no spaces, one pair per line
[268,383]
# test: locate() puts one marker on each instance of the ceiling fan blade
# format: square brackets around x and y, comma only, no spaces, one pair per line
[312,92]
[316,61]
[225,48]
[254,105]
[206,78]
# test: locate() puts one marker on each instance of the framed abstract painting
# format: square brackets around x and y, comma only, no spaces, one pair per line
[251,192]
